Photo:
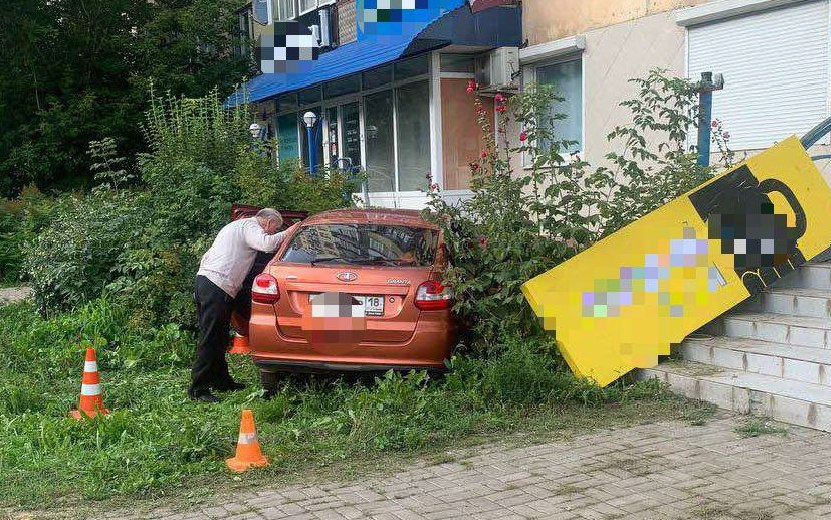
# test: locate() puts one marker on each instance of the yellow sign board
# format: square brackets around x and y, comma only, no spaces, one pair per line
[623,302]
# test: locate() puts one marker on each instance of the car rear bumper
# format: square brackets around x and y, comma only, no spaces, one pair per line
[428,347]
[320,367]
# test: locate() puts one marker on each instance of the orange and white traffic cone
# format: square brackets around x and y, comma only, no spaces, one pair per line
[248,447]
[240,345]
[90,404]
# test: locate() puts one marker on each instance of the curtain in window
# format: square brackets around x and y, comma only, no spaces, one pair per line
[567,78]
[286,9]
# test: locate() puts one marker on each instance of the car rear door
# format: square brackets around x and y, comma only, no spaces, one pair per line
[240,322]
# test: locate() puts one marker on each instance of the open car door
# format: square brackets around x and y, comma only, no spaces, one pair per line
[239,321]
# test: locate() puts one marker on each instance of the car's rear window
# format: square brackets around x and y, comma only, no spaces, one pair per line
[363,244]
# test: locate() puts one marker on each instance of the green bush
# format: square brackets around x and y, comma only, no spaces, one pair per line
[20,221]
[520,223]
[139,238]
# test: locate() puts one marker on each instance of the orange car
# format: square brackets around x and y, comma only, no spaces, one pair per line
[353,290]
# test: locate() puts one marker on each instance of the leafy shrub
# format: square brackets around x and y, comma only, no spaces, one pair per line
[74,257]
[141,239]
[20,221]
[519,224]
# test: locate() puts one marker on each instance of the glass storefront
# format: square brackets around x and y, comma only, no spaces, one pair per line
[380,142]
[414,123]
[378,120]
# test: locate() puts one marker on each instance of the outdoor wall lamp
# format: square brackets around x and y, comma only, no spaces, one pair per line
[310,118]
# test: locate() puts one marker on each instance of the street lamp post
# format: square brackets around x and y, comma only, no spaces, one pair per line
[705,89]
[310,118]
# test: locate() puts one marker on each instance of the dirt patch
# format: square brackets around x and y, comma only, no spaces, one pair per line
[14,294]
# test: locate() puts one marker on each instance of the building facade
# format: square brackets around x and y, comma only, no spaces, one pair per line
[406,119]
[773,54]
[397,108]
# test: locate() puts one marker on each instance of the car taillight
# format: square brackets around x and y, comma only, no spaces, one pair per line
[265,289]
[433,296]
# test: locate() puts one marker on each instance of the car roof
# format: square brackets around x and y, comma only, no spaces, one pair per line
[401,217]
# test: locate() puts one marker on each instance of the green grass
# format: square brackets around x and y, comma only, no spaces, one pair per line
[758,427]
[157,444]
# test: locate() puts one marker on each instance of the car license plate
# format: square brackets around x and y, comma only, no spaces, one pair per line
[372,305]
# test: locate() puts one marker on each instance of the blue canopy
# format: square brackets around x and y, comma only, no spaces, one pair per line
[493,27]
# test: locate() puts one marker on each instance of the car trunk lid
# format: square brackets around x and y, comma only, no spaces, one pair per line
[375,304]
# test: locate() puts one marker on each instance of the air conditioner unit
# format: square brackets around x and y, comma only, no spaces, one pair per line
[498,70]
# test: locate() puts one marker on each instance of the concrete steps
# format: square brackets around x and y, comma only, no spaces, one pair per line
[769,357]
[810,365]
[794,402]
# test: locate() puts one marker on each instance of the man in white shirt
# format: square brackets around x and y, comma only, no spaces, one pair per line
[218,282]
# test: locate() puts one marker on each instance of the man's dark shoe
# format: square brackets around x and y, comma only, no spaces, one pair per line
[229,386]
[205,396]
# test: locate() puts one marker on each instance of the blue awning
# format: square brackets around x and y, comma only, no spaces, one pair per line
[486,28]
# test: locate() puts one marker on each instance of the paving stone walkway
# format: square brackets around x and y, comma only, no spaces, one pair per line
[657,471]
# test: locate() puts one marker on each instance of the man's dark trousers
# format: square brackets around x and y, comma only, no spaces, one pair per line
[213,310]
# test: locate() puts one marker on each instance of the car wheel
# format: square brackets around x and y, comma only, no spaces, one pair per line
[269,380]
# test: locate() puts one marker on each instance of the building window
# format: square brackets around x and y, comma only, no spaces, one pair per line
[380,142]
[286,9]
[343,86]
[567,78]
[379,119]
[307,5]
[261,10]
[246,32]
[413,123]
[458,63]
[287,136]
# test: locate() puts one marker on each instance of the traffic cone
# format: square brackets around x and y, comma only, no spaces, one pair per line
[240,345]
[90,402]
[248,447]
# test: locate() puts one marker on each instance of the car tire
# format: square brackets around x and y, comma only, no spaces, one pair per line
[269,381]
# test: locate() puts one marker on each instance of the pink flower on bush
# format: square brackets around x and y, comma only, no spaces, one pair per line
[471,86]
[483,242]
[484,153]
[499,98]
[523,137]
[474,166]
[714,124]
[434,187]
[725,135]
[500,108]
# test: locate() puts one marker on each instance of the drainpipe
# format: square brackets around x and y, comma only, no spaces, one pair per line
[705,89]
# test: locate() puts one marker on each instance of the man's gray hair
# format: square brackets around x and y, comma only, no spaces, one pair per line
[270,214]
